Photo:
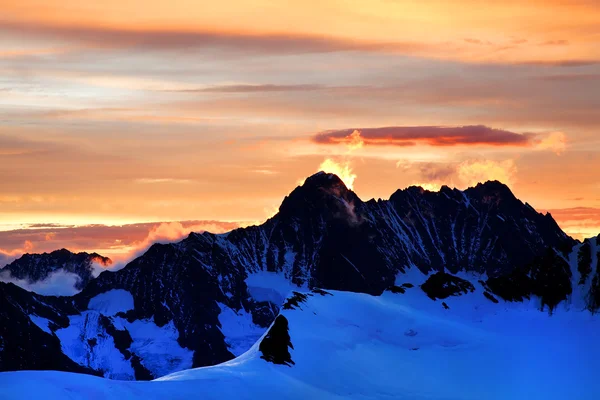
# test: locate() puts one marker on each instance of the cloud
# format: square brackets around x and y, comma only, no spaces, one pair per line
[442,136]
[566,63]
[150,181]
[429,135]
[117,242]
[555,141]
[463,174]
[8,256]
[135,240]
[559,42]
[579,222]
[589,214]
[571,77]
[264,171]
[241,43]
[58,283]
[340,168]
[470,173]
[263,88]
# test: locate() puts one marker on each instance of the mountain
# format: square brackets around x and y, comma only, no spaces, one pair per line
[35,268]
[210,297]
[27,321]
[344,345]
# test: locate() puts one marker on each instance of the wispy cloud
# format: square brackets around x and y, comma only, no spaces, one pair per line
[263,88]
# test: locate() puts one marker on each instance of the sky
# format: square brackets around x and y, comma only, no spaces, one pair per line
[121,119]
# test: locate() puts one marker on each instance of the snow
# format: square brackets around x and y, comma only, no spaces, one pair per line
[270,286]
[42,323]
[112,302]
[239,330]
[86,342]
[157,346]
[357,346]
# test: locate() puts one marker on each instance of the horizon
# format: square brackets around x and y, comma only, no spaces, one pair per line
[149,233]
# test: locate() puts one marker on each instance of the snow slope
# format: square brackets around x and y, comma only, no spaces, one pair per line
[358,346]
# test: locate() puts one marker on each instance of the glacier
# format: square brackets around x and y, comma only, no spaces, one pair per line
[359,346]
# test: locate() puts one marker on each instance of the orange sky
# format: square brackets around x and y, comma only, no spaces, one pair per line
[122,112]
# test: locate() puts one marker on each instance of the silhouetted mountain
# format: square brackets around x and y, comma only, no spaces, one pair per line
[196,296]
[38,267]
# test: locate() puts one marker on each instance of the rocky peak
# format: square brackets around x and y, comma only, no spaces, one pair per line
[321,193]
[38,267]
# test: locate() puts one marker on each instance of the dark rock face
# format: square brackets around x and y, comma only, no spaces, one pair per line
[481,229]
[551,279]
[584,261]
[442,285]
[593,298]
[324,236]
[38,267]
[276,344]
[548,277]
[24,345]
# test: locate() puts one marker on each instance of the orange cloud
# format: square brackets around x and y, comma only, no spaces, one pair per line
[555,141]
[355,141]
[121,243]
[6,256]
[464,174]
[470,173]
[434,28]
[441,136]
[579,222]
[342,169]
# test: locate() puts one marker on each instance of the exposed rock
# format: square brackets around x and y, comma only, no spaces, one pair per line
[489,296]
[584,261]
[294,301]
[276,344]
[397,289]
[548,277]
[442,285]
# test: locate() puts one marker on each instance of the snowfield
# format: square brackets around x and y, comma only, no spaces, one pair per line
[356,346]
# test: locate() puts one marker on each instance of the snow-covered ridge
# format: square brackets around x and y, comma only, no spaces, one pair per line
[352,345]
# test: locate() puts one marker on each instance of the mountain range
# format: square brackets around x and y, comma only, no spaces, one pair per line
[211,297]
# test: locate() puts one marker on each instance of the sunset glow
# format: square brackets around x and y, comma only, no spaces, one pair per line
[128,113]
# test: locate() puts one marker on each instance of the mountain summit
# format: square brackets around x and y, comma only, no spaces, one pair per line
[210,297]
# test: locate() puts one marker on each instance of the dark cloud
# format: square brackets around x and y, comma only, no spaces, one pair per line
[430,135]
